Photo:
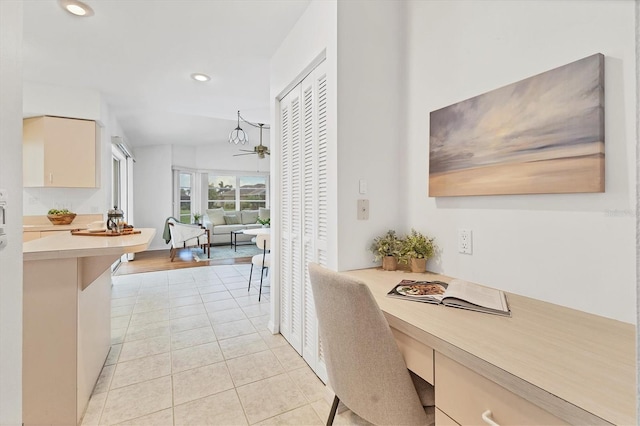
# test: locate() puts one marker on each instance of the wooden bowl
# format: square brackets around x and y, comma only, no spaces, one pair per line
[61,219]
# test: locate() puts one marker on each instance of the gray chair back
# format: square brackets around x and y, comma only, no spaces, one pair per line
[365,367]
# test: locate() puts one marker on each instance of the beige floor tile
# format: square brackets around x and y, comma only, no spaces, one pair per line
[141,369]
[289,358]
[219,317]
[217,296]
[311,386]
[120,322]
[104,379]
[189,323]
[208,288]
[185,300]
[251,368]
[220,409]
[146,331]
[160,418]
[344,416]
[234,328]
[184,293]
[152,298]
[117,335]
[137,400]
[193,337]
[195,356]
[270,397]
[221,305]
[160,289]
[236,282]
[260,323]
[146,347]
[256,310]
[151,305]
[125,301]
[120,311]
[304,415]
[242,345]
[94,409]
[149,317]
[114,354]
[200,382]
[272,340]
[187,311]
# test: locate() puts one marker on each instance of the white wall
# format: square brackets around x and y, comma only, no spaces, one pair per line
[11,180]
[152,190]
[577,250]
[371,134]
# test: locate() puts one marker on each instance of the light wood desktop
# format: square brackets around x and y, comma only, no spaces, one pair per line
[546,364]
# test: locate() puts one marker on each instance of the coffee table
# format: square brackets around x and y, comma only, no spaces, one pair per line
[234,240]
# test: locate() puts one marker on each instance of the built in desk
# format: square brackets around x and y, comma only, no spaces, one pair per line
[546,364]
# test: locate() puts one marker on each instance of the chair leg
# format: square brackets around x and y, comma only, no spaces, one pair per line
[261,277]
[250,273]
[172,253]
[334,408]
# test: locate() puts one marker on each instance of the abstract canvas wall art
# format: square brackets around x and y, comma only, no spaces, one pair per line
[544,134]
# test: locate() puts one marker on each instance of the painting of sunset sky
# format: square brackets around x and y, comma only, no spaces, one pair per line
[541,135]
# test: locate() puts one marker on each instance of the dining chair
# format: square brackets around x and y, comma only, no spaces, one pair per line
[183,236]
[261,260]
[365,367]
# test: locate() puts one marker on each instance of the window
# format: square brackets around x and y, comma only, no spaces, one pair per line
[185,197]
[253,192]
[237,192]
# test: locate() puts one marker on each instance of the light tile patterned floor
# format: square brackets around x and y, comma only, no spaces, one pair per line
[191,347]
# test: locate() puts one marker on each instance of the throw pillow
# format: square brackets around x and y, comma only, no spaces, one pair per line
[249,216]
[231,220]
[264,214]
[216,216]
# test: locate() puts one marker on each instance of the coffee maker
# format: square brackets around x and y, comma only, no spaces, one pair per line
[115,220]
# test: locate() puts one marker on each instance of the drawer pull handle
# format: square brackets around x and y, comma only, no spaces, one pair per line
[486,417]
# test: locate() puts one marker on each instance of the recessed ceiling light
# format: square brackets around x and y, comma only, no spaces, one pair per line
[76,8]
[200,77]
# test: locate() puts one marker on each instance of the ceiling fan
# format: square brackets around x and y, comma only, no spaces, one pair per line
[260,149]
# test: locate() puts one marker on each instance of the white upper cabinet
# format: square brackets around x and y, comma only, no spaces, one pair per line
[59,152]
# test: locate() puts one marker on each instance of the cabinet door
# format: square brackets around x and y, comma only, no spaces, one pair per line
[70,153]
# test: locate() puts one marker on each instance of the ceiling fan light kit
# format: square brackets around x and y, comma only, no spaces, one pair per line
[260,149]
[238,135]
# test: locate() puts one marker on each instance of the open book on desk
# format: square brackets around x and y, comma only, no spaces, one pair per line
[457,293]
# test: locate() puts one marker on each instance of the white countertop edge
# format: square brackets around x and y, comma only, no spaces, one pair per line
[66,245]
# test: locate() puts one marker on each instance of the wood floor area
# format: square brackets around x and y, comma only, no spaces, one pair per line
[158,260]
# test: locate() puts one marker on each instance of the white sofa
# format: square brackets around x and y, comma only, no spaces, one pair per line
[221,223]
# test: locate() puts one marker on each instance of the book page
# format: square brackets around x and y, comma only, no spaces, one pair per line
[421,291]
[478,295]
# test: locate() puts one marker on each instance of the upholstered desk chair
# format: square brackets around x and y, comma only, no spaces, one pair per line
[261,260]
[183,236]
[365,367]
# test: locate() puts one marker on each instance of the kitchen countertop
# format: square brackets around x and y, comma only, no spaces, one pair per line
[41,223]
[65,245]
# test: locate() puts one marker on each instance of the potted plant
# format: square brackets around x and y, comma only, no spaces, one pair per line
[416,249]
[265,222]
[387,247]
[196,218]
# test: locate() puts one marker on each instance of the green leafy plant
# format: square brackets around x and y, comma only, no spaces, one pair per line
[388,244]
[416,246]
[263,222]
[196,217]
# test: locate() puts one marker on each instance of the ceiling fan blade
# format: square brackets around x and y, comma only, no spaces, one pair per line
[249,153]
[247,150]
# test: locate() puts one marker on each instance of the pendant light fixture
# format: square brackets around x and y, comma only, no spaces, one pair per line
[238,135]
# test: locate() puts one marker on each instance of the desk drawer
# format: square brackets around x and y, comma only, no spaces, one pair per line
[464,396]
[417,356]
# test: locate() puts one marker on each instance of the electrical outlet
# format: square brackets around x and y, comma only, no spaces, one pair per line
[464,241]
[363,209]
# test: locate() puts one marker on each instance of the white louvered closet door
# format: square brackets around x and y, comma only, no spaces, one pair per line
[303,201]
